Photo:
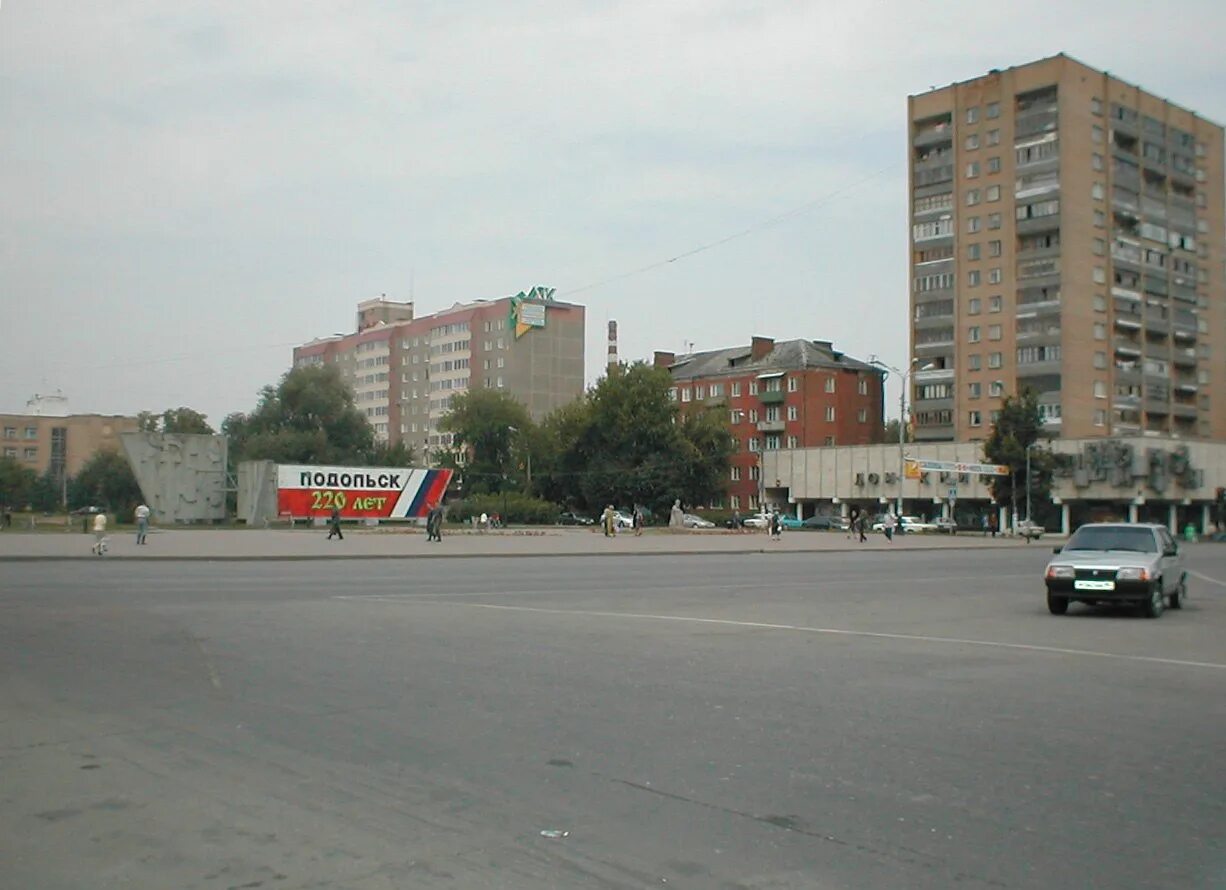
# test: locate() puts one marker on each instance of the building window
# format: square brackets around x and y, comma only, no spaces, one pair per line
[994,164]
[973,362]
[993,193]
[736,474]
[972,278]
[10,432]
[700,392]
[994,360]
[736,390]
[753,445]
[716,390]
[993,220]
[30,453]
[830,413]
[993,137]
[1100,360]
[1100,275]
[972,114]
[772,442]
[975,418]
[994,276]
[753,415]
[1097,192]
[863,387]
[973,390]
[1099,247]
[994,332]
[972,308]
[753,387]
[992,110]
[735,415]
[972,142]
[972,170]
[10,452]
[1100,417]
[31,432]
[734,502]
[1100,389]
[793,384]
[993,248]
[1100,331]
[829,384]
[972,334]
[862,415]
[996,389]
[791,412]
[994,304]
[972,251]
[685,393]
[792,442]
[972,197]
[1096,105]
[1096,161]
[972,224]
[502,362]
[1096,134]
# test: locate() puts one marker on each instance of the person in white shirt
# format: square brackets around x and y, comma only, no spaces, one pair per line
[99,547]
[142,523]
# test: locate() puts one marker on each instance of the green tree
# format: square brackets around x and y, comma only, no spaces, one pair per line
[706,453]
[308,417]
[17,483]
[396,454]
[1018,428]
[106,481]
[890,432]
[46,495]
[174,420]
[488,424]
[557,463]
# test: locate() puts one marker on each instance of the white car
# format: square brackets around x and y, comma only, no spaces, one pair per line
[689,520]
[622,519]
[908,525]
[758,520]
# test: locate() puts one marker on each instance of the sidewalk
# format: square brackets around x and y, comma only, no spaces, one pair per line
[247,544]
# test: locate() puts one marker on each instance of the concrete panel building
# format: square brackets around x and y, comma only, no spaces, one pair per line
[60,444]
[1066,235]
[405,370]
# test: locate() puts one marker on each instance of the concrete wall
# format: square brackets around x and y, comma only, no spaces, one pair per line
[182,477]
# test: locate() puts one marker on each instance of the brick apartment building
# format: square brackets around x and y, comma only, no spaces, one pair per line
[60,443]
[1067,234]
[791,394]
[405,370]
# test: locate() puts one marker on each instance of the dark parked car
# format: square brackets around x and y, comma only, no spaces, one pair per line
[1112,562]
[575,519]
[826,523]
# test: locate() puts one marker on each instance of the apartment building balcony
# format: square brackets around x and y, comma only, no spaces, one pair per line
[1127,346]
[771,396]
[771,426]
[934,432]
[1157,327]
[1128,376]
[1185,333]
[1127,321]
[939,134]
[1126,403]
[1184,357]
[1186,385]
[1037,224]
[1036,369]
[934,375]
[1157,407]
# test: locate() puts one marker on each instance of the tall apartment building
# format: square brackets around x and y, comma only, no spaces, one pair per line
[405,370]
[1066,235]
[791,394]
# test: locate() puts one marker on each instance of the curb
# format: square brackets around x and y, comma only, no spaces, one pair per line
[550,555]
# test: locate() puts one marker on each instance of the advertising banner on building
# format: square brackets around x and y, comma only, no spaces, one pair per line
[359,492]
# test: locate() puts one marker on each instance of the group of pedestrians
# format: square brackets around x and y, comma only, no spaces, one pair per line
[102,543]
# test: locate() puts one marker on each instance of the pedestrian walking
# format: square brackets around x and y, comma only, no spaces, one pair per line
[776,526]
[993,524]
[861,524]
[985,524]
[609,521]
[334,525]
[142,523]
[888,524]
[736,520]
[638,522]
[434,523]
[99,547]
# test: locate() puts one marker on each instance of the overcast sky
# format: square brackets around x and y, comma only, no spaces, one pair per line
[187,189]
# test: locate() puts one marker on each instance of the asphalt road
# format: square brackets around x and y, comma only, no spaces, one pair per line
[864,720]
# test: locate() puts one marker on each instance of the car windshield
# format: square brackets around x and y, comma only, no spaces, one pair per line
[1140,540]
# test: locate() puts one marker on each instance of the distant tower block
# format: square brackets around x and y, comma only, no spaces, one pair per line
[612,345]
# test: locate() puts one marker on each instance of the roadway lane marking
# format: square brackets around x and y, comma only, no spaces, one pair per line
[1206,578]
[834,631]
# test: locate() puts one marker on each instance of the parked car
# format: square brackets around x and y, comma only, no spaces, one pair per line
[1116,562]
[825,523]
[908,525]
[575,519]
[945,525]
[790,522]
[1031,531]
[757,520]
[623,519]
[689,520]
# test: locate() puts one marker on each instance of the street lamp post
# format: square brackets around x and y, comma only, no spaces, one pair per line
[1028,447]
[904,376]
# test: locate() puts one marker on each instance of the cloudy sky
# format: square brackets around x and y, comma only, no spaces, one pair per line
[187,189]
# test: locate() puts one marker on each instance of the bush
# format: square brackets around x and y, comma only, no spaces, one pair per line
[519,508]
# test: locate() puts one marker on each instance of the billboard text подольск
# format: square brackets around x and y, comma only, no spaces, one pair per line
[359,492]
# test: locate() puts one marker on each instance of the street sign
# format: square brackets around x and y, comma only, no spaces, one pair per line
[916,466]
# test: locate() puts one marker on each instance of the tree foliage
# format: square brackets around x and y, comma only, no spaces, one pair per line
[17,483]
[1019,427]
[489,425]
[309,417]
[625,443]
[106,481]
[174,420]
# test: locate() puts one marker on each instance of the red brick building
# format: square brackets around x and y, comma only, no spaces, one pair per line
[791,394]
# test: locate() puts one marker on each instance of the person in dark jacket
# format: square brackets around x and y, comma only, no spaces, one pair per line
[334,525]
[434,523]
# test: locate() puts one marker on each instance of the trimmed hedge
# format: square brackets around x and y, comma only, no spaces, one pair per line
[518,508]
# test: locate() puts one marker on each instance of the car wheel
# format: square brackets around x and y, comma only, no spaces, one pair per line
[1156,604]
[1057,605]
[1180,594]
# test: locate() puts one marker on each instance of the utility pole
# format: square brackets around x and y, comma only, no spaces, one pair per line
[904,376]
